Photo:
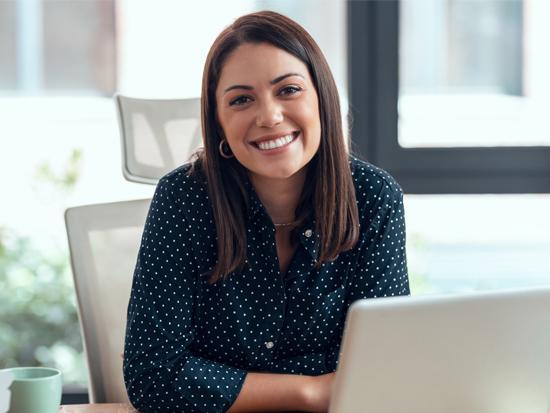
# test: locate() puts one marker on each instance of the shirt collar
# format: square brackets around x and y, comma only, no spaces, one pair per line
[308,237]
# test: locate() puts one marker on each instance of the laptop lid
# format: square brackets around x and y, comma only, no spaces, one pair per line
[470,353]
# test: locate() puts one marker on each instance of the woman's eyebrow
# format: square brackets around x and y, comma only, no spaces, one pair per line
[273,82]
[279,78]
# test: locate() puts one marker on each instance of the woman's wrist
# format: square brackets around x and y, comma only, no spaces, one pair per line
[263,391]
[316,392]
[308,393]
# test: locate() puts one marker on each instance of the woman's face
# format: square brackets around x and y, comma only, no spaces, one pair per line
[268,109]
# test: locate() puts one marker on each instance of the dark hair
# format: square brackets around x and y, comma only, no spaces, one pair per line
[329,197]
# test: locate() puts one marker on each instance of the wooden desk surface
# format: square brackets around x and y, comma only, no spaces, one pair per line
[98,408]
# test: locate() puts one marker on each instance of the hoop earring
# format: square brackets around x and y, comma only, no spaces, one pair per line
[222,152]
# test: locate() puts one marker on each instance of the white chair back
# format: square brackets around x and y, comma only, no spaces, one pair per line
[157,135]
[104,240]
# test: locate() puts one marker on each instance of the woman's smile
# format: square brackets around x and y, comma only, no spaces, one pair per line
[275,145]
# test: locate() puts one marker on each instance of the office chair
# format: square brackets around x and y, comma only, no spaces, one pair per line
[104,240]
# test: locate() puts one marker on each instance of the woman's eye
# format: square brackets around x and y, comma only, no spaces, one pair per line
[290,90]
[241,100]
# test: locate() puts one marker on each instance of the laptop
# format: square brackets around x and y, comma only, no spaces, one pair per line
[470,353]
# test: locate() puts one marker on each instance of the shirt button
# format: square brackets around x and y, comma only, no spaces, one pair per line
[308,233]
[269,344]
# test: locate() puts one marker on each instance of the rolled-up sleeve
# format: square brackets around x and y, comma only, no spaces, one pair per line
[160,371]
[382,261]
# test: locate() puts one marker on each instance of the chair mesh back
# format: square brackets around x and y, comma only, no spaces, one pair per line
[157,135]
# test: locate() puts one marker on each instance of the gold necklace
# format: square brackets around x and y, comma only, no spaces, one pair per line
[284,225]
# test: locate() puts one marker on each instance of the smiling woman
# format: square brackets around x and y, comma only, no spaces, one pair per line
[261,81]
[252,254]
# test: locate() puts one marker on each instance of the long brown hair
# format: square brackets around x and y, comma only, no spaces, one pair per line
[328,198]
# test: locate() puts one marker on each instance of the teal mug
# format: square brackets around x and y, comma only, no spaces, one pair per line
[34,389]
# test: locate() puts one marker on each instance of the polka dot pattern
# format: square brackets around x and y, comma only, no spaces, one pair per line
[189,345]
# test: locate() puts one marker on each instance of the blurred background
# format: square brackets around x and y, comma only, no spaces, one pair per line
[471,74]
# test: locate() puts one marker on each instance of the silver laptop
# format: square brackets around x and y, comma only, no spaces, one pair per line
[473,353]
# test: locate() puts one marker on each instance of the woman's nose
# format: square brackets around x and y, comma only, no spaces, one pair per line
[269,114]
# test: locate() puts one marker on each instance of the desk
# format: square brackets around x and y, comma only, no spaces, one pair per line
[101,408]
[97,408]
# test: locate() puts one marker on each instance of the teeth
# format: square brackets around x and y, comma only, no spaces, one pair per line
[276,143]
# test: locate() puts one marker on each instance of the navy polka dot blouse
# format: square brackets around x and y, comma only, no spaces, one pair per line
[189,345]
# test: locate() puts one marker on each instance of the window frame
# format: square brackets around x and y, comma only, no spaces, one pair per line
[373,73]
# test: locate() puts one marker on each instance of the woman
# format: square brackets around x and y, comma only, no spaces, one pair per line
[252,254]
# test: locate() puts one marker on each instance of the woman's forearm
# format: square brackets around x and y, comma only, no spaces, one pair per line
[270,392]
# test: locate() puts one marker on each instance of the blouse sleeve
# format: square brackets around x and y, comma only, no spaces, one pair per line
[160,371]
[382,261]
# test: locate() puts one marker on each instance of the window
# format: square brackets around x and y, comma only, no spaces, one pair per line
[57,47]
[469,74]
[450,97]
[477,242]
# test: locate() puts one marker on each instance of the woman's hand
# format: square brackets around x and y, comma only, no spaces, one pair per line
[318,393]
